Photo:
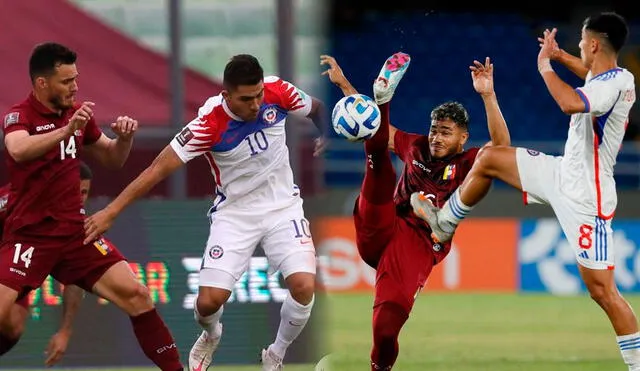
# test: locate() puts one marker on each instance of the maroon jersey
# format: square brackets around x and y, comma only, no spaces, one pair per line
[4,196]
[437,178]
[47,187]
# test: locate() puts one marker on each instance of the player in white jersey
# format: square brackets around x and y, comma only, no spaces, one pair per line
[579,185]
[241,133]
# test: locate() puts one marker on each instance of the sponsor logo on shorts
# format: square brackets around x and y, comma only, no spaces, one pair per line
[270,115]
[102,246]
[216,252]
[185,136]
[11,118]
[533,152]
[17,271]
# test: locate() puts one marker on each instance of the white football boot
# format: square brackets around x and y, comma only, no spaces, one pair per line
[390,75]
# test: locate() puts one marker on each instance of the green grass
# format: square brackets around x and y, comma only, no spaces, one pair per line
[466,332]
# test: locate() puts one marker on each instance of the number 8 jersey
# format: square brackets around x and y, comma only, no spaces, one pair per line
[249,160]
[47,187]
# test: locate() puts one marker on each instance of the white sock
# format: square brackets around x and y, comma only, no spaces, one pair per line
[293,318]
[453,212]
[209,323]
[630,349]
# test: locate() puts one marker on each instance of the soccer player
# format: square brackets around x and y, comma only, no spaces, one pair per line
[43,234]
[13,326]
[579,185]
[241,133]
[389,237]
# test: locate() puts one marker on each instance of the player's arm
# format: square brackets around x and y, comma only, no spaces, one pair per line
[113,153]
[72,297]
[565,96]
[162,166]
[482,77]
[571,62]
[23,147]
[195,139]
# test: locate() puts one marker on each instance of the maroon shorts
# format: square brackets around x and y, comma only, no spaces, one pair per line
[401,253]
[26,260]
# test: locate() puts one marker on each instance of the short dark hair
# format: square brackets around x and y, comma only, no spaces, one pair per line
[46,57]
[453,111]
[242,69]
[85,171]
[611,25]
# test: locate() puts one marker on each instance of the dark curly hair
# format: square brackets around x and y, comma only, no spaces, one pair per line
[453,111]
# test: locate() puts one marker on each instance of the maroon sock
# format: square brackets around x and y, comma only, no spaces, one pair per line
[388,320]
[156,341]
[7,343]
[379,178]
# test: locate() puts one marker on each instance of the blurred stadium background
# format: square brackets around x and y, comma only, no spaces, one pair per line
[158,61]
[507,298]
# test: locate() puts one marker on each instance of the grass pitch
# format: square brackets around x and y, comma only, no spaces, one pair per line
[473,332]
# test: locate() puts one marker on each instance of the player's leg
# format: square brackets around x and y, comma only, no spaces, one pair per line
[12,326]
[226,258]
[100,268]
[508,164]
[289,247]
[591,238]
[376,193]
[405,265]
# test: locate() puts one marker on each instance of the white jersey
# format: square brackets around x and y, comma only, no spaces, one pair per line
[594,140]
[249,160]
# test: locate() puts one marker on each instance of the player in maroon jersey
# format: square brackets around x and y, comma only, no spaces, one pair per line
[389,236]
[12,327]
[44,229]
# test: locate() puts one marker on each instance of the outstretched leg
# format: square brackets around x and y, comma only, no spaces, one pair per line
[375,210]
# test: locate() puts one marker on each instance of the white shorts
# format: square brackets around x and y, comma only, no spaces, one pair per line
[284,235]
[590,236]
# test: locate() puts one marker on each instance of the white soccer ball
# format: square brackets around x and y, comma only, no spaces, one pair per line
[325,364]
[356,117]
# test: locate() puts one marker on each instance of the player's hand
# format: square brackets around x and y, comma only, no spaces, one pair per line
[321,145]
[548,45]
[482,76]
[334,72]
[80,117]
[124,127]
[554,49]
[56,348]
[96,225]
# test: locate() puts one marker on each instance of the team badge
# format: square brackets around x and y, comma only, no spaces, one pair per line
[270,115]
[449,172]
[216,252]
[437,247]
[533,152]
[11,118]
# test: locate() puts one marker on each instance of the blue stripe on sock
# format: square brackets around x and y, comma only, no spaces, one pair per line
[457,211]
[628,341]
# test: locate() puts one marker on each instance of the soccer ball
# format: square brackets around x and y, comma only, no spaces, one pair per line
[356,117]
[325,364]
